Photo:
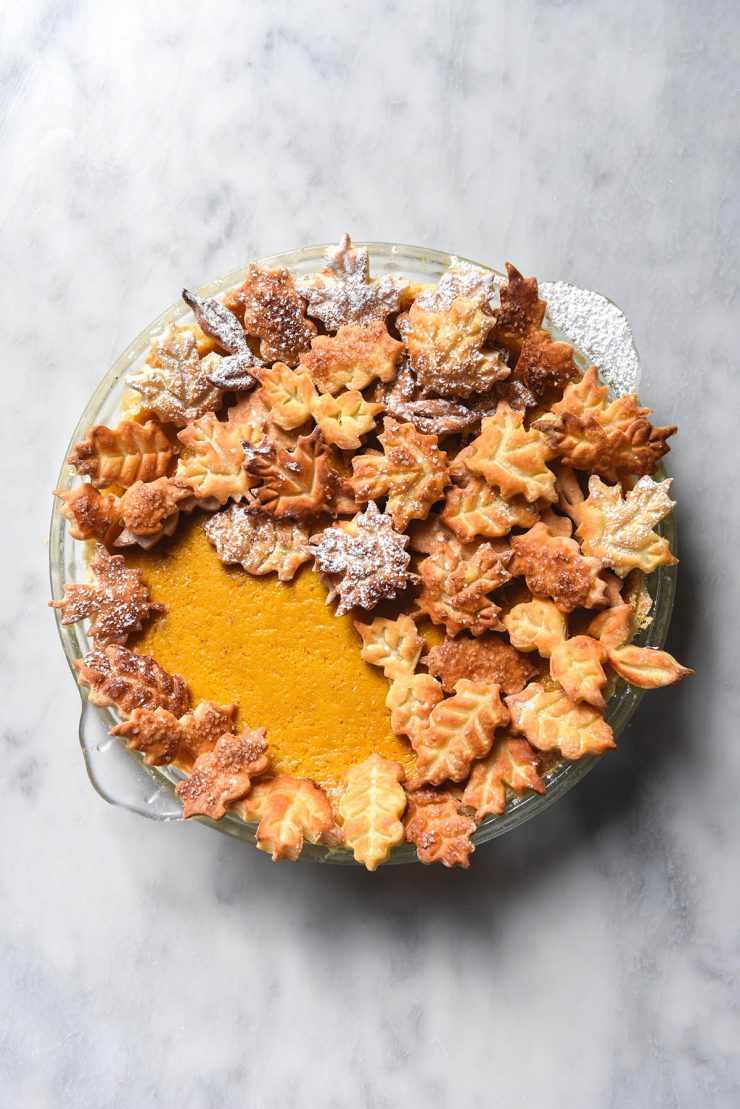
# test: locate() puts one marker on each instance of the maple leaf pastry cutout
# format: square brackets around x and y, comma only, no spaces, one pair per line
[353,358]
[444,350]
[617,528]
[258,542]
[410,701]
[148,511]
[117,676]
[234,372]
[511,457]
[552,722]
[521,311]
[223,775]
[174,381]
[271,309]
[117,601]
[365,562]
[437,828]
[461,279]
[164,738]
[344,293]
[553,566]
[212,469]
[290,811]
[441,416]
[544,364]
[411,473]
[536,625]
[393,645]
[297,484]
[488,658]
[124,454]
[456,580]
[512,763]
[345,418]
[478,509]
[92,514]
[461,729]
[371,808]
[289,394]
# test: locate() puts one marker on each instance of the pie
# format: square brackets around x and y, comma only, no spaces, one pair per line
[365,558]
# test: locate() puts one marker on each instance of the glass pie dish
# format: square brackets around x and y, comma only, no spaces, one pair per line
[120,775]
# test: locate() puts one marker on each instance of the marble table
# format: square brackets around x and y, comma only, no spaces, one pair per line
[590,959]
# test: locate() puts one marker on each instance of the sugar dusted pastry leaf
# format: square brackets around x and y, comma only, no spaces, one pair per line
[614,627]
[440,832]
[647,667]
[290,810]
[174,381]
[461,728]
[513,762]
[117,676]
[365,560]
[461,279]
[553,566]
[116,602]
[352,358]
[545,364]
[431,415]
[124,454]
[289,394]
[212,468]
[411,473]
[219,322]
[94,515]
[297,484]
[223,775]
[512,457]
[456,580]
[521,310]
[536,625]
[344,419]
[479,509]
[445,352]
[617,529]
[552,722]
[148,511]
[393,645]
[576,664]
[410,701]
[486,659]
[163,738]
[258,542]
[344,293]
[272,310]
[371,808]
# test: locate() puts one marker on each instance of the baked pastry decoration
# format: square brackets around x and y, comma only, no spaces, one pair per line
[483,555]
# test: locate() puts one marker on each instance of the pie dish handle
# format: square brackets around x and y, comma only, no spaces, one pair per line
[119,778]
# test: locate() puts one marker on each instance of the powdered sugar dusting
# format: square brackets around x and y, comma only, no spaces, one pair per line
[461,279]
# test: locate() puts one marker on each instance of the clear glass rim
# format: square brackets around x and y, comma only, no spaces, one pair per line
[622,705]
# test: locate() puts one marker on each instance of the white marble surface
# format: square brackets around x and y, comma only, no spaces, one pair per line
[591,958]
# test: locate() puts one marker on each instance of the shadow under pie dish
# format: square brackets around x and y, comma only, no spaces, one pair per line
[361,557]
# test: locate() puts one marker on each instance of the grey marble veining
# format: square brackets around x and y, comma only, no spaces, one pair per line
[590,959]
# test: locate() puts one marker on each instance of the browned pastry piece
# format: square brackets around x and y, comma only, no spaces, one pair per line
[553,566]
[456,581]
[224,775]
[294,485]
[124,454]
[269,305]
[521,311]
[437,828]
[486,659]
[117,676]
[411,473]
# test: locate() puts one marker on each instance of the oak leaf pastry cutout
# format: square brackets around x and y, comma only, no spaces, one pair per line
[223,775]
[438,830]
[364,563]
[456,580]
[521,311]
[212,469]
[444,350]
[289,394]
[271,309]
[512,763]
[512,457]
[371,808]
[553,566]
[393,645]
[617,528]
[117,676]
[353,358]
[163,738]
[552,722]
[478,509]
[411,473]
[290,811]
[536,625]
[344,293]
[117,601]
[258,542]
[344,419]
[545,363]
[461,729]
[124,454]
[576,664]
[219,322]
[486,659]
[294,484]
[410,701]
[174,381]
